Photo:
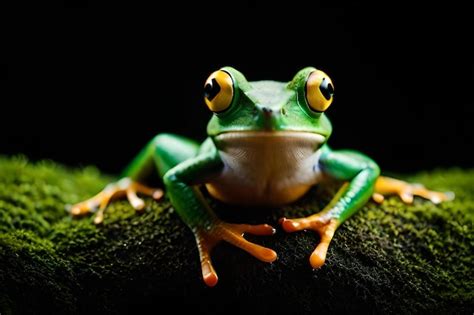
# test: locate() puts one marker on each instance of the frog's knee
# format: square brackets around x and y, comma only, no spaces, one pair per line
[162,139]
[169,150]
[375,169]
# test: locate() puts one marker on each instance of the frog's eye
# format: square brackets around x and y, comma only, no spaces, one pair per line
[319,91]
[219,91]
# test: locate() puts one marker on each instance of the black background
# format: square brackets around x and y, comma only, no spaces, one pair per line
[83,87]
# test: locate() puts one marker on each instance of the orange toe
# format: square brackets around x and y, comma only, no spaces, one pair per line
[268,255]
[318,257]
[289,225]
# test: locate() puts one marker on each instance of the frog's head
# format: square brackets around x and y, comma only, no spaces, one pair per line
[269,107]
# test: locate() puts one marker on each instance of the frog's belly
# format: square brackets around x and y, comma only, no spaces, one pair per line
[266,168]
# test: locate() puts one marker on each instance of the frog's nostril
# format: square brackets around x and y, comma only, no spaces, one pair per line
[266,111]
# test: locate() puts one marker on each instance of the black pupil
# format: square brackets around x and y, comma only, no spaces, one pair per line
[326,89]
[211,89]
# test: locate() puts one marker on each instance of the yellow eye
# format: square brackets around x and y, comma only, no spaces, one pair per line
[219,91]
[319,91]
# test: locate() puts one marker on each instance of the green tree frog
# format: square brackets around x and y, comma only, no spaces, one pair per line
[266,146]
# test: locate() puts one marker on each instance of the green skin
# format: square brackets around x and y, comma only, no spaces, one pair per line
[264,106]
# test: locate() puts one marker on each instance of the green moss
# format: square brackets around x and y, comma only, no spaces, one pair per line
[394,257]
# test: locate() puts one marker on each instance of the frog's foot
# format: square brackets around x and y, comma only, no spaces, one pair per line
[124,187]
[232,233]
[319,223]
[406,191]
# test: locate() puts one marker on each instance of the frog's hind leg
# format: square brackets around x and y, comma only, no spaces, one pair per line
[386,186]
[161,154]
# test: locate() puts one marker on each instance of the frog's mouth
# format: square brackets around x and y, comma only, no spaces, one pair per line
[299,141]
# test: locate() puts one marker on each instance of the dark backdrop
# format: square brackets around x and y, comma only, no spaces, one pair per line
[92,88]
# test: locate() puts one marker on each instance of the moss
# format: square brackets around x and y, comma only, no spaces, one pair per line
[390,258]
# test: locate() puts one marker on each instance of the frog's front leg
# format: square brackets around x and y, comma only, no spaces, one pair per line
[360,174]
[181,183]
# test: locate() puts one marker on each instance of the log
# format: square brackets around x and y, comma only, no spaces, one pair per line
[392,258]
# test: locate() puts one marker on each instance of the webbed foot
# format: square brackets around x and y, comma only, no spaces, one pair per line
[124,187]
[207,238]
[389,186]
[320,223]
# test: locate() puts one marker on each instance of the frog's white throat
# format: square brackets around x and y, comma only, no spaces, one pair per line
[266,168]
[290,143]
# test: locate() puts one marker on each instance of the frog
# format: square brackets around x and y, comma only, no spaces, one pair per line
[266,147]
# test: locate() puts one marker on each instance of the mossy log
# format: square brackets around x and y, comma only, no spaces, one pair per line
[392,257]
